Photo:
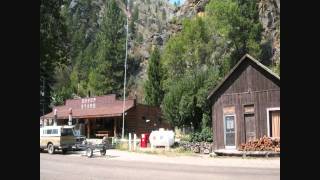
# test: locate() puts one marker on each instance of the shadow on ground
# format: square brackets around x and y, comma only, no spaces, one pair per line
[82,153]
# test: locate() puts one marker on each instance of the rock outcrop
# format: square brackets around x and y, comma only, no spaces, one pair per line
[191,8]
[269,14]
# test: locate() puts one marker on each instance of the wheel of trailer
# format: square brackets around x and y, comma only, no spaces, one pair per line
[103,152]
[64,151]
[50,148]
[89,152]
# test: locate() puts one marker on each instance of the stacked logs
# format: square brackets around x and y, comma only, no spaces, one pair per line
[262,144]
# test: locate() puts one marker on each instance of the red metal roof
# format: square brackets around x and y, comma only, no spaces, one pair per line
[99,106]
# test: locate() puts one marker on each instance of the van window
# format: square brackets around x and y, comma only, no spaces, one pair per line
[54,131]
[66,132]
[49,131]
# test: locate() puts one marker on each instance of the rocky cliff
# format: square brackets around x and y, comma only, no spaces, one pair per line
[150,21]
[158,20]
[269,12]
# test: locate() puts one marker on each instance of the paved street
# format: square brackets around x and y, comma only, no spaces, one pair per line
[135,166]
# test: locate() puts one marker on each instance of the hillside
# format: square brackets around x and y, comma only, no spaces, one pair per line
[269,16]
[152,24]
[154,17]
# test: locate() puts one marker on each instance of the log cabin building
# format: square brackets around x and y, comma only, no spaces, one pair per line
[102,115]
[245,105]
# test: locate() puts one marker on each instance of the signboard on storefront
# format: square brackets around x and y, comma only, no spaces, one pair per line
[88,103]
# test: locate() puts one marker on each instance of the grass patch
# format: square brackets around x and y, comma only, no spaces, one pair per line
[122,146]
[179,151]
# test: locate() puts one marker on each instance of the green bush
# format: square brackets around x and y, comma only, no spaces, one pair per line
[186,138]
[204,135]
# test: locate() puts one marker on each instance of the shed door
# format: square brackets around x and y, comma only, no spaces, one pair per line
[275,123]
[250,127]
[229,125]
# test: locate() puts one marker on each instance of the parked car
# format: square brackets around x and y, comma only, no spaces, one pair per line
[57,138]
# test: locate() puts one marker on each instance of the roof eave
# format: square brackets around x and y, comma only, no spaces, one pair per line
[236,66]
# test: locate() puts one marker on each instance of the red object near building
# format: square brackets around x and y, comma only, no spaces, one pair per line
[144,140]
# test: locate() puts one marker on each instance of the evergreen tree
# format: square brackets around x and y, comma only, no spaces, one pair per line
[61,89]
[82,25]
[97,84]
[187,50]
[216,41]
[81,21]
[54,47]
[185,99]
[153,89]
[110,53]
[237,21]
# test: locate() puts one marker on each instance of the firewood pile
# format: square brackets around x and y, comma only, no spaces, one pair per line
[262,144]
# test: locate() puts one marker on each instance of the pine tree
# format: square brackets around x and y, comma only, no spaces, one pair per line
[153,89]
[81,23]
[54,48]
[110,53]
[97,84]
[238,22]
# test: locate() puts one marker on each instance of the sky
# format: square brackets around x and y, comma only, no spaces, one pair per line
[181,1]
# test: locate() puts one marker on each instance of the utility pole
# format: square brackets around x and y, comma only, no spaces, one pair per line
[125,75]
[43,100]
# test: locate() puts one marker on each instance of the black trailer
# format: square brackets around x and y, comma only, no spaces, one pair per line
[102,148]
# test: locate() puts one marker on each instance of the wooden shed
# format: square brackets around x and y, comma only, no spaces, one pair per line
[245,105]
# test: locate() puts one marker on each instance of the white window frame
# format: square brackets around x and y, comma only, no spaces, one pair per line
[235,131]
[268,118]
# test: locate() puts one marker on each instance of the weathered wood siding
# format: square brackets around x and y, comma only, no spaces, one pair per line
[249,84]
[136,124]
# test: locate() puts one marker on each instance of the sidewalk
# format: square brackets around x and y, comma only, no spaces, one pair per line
[201,160]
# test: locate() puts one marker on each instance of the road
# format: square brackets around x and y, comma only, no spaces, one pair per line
[77,167]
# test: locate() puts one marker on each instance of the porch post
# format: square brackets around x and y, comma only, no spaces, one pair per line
[55,117]
[114,127]
[70,117]
[93,125]
[88,128]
